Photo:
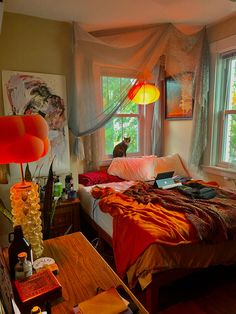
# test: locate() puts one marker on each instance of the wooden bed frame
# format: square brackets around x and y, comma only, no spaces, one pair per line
[150,295]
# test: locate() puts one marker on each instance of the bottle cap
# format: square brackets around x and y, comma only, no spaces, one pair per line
[36,310]
[22,255]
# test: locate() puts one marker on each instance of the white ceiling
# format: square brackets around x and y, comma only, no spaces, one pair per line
[105,14]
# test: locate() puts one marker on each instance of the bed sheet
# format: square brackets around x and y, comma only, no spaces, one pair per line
[91,207]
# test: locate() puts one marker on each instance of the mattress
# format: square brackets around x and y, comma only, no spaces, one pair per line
[91,207]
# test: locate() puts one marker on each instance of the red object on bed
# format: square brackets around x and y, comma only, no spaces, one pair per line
[97,177]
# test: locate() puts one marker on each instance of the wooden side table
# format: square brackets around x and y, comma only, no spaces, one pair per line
[66,218]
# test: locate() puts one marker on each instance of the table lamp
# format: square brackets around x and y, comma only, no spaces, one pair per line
[25,139]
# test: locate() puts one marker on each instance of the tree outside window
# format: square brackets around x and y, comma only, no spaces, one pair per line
[126,122]
[228,96]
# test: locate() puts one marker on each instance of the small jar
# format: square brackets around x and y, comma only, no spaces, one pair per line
[23,268]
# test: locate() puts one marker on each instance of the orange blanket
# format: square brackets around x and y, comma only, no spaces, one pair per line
[137,224]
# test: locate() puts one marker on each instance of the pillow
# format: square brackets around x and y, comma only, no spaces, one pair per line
[97,177]
[171,163]
[134,168]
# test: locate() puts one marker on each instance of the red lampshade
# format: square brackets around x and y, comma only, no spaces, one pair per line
[143,93]
[23,138]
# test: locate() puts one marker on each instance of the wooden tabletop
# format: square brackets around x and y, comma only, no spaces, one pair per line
[81,271]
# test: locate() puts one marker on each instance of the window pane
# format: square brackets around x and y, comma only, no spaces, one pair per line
[232,86]
[112,88]
[229,140]
[131,129]
[113,134]
[118,128]
[131,107]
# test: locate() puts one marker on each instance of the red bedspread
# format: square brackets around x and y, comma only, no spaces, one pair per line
[144,215]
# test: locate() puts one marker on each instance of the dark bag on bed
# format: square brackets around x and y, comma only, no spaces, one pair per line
[197,190]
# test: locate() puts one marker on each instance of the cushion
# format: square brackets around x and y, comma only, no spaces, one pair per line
[97,177]
[171,163]
[134,168]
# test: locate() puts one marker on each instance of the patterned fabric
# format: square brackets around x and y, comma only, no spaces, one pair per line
[214,219]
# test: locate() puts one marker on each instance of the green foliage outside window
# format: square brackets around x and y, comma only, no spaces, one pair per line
[121,125]
[229,142]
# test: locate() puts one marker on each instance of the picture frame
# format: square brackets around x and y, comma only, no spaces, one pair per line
[27,93]
[179,97]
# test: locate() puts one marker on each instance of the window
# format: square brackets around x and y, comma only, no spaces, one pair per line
[127,122]
[227,109]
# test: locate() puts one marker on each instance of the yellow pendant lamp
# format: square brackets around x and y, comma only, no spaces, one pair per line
[143,93]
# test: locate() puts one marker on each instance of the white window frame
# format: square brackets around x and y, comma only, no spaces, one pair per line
[213,161]
[141,116]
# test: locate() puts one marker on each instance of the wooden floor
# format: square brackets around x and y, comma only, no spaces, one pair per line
[206,292]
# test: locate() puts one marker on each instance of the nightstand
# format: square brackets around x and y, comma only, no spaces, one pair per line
[66,218]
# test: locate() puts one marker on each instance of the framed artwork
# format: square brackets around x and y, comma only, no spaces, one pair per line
[26,93]
[179,97]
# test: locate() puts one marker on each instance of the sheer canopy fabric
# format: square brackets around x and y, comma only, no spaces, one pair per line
[136,53]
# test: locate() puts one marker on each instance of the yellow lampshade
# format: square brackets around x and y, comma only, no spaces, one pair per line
[144,93]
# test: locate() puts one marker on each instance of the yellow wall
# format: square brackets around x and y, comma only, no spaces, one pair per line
[33,45]
[222,30]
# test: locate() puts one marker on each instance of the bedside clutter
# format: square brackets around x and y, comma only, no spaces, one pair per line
[81,271]
[37,289]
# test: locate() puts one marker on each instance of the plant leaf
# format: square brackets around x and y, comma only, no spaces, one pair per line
[5,211]
[28,176]
[47,205]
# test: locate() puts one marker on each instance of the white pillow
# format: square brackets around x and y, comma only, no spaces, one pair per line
[134,168]
[171,163]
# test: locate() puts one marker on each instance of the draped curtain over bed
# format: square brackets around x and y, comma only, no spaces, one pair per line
[136,53]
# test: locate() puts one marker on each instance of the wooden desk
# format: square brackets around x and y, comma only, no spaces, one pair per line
[81,271]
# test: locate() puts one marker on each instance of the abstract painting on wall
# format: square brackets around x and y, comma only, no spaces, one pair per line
[26,93]
[179,97]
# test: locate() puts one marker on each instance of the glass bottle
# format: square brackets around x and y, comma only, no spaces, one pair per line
[18,245]
[58,187]
[68,182]
[23,268]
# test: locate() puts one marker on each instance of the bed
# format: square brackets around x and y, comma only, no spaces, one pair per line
[150,262]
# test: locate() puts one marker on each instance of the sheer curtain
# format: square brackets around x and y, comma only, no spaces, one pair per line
[137,52]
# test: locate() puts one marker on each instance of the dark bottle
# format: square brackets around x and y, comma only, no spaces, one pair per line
[68,182]
[18,244]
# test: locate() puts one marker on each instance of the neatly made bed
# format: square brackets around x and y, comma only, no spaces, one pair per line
[149,260]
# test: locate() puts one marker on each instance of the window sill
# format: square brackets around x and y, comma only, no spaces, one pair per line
[220,171]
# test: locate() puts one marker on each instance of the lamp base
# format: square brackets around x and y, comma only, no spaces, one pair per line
[26,212]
